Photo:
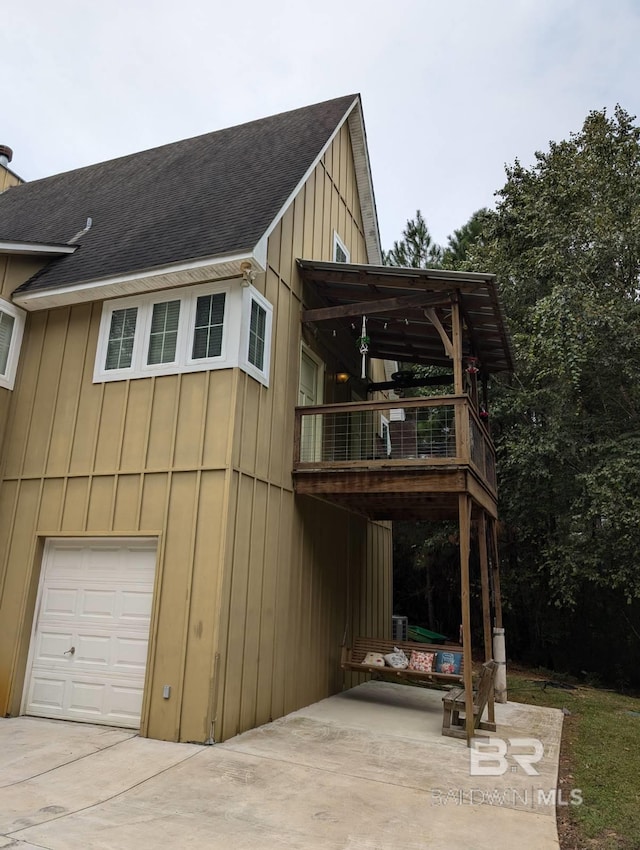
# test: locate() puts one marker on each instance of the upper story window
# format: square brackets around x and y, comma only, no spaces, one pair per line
[340,250]
[255,347]
[11,330]
[212,326]
[207,335]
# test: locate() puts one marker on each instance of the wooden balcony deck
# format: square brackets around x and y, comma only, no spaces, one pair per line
[408,462]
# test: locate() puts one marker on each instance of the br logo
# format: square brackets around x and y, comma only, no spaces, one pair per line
[495,756]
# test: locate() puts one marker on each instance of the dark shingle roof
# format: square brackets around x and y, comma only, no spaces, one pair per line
[201,197]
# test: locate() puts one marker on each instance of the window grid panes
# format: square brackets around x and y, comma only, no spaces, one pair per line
[121,336]
[341,257]
[257,335]
[6,332]
[207,335]
[164,333]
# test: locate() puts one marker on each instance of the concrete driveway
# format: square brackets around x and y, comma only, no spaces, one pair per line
[364,770]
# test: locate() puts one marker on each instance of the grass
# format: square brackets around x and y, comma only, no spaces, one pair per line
[600,756]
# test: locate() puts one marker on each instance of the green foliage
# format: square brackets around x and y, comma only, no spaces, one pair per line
[416,249]
[464,241]
[565,243]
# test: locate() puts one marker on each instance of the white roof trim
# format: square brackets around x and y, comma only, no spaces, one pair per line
[363,177]
[10,246]
[165,277]
[365,186]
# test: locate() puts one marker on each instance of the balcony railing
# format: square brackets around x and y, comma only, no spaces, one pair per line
[431,431]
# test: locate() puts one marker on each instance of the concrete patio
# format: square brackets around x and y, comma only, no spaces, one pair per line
[364,770]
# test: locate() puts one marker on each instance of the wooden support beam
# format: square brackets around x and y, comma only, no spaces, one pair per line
[486,601]
[368,308]
[497,599]
[464,520]
[437,324]
[456,327]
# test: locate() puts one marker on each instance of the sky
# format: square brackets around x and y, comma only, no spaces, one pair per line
[453,90]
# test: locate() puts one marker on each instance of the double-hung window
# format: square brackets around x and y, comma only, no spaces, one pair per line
[11,330]
[209,326]
[255,342]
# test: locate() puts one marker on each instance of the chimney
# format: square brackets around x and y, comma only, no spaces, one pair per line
[6,155]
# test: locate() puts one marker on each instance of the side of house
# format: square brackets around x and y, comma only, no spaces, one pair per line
[150,539]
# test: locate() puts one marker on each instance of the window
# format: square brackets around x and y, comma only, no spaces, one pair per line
[182,331]
[121,336]
[6,332]
[385,434]
[255,341]
[163,337]
[196,328]
[257,334]
[340,250]
[207,336]
[11,330]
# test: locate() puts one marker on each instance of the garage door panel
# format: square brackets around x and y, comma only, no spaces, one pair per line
[46,694]
[126,702]
[130,653]
[135,606]
[59,602]
[86,698]
[98,599]
[51,646]
[98,603]
[92,650]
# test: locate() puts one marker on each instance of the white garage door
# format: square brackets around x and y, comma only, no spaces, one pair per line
[89,648]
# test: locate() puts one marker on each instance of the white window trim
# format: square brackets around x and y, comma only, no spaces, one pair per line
[183,361]
[385,433]
[8,378]
[338,242]
[250,294]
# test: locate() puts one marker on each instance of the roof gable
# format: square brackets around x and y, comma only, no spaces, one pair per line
[199,198]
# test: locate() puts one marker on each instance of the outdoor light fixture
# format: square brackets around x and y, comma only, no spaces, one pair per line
[342,377]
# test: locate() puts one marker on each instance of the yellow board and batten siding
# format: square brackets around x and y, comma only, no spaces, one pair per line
[303,570]
[147,457]
[254,587]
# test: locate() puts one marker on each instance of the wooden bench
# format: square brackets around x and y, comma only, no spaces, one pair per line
[352,658]
[453,704]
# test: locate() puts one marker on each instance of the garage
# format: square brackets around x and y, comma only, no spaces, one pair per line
[88,653]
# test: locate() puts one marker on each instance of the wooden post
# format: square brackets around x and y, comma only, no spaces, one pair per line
[464,519]
[486,601]
[456,333]
[497,599]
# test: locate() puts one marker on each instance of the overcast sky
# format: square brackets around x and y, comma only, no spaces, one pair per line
[452,89]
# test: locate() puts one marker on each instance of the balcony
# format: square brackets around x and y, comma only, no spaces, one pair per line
[410,461]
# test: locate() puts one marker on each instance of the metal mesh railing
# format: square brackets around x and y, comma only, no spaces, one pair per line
[369,435]
[477,444]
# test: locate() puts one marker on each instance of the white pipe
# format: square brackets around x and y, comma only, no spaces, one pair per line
[500,656]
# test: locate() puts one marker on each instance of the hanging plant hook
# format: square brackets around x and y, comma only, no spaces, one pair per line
[363,346]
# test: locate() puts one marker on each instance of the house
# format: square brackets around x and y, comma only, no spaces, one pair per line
[184,538]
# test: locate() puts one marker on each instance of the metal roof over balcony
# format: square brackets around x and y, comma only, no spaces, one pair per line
[405,306]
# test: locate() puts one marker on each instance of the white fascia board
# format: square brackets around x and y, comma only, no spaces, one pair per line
[261,247]
[163,277]
[35,248]
[365,186]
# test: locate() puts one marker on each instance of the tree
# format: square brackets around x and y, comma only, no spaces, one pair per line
[464,240]
[565,244]
[416,249]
